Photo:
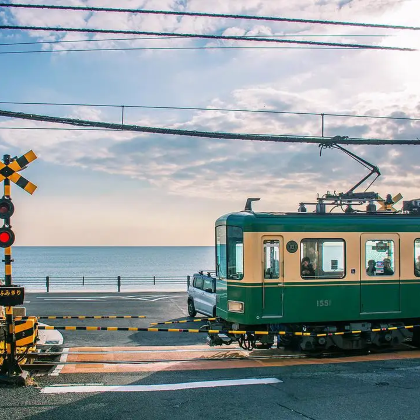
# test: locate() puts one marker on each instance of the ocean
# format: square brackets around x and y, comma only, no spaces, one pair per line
[66,266]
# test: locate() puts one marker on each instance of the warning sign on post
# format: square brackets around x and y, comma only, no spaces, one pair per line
[11,295]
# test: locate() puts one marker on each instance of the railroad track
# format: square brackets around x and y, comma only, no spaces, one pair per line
[44,361]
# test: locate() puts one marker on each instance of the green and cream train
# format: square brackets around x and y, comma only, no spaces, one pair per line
[322,273]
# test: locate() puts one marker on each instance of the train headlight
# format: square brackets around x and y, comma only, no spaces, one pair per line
[235,306]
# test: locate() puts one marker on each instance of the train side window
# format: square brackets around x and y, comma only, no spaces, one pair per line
[271,259]
[380,257]
[322,259]
[417,257]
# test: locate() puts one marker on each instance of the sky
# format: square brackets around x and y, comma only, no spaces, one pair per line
[108,188]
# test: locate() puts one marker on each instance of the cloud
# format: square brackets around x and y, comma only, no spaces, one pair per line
[315,81]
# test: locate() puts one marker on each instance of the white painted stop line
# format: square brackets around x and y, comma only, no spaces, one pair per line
[60,389]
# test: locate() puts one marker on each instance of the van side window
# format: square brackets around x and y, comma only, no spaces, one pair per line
[417,257]
[380,257]
[208,285]
[271,259]
[322,259]
[198,282]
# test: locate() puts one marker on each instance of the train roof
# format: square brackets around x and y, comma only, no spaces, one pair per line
[251,221]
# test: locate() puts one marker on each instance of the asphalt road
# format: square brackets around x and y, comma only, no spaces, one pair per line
[156,306]
[378,390]
[386,389]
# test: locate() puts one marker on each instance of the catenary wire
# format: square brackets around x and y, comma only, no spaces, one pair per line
[210,15]
[69,41]
[207,134]
[181,108]
[203,36]
[171,49]
[57,129]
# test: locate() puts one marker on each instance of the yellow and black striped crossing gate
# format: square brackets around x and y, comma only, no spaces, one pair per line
[11,295]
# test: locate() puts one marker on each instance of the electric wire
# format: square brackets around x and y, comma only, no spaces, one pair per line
[186,108]
[56,129]
[69,41]
[207,134]
[210,15]
[204,36]
[170,49]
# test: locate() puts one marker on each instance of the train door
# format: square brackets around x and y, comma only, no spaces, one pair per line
[380,273]
[272,277]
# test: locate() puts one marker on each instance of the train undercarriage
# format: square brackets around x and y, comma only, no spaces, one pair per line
[316,337]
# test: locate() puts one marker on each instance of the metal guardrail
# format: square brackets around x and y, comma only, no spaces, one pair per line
[78,283]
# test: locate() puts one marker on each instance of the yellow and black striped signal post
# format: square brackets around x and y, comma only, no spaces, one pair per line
[11,295]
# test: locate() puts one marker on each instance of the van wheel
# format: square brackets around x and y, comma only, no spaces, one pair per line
[191,308]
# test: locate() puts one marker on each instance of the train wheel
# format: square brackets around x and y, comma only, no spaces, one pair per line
[416,337]
[191,308]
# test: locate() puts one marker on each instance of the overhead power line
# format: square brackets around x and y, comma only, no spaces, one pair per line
[205,134]
[138,38]
[171,49]
[210,15]
[190,108]
[56,129]
[203,36]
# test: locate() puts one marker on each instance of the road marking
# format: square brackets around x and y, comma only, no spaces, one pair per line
[72,299]
[145,298]
[150,388]
[63,359]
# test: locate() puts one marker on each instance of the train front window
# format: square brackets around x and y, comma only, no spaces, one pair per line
[417,257]
[380,257]
[221,261]
[322,258]
[271,259]
[235,253]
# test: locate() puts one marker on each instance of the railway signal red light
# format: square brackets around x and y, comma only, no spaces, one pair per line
[6,208]
[7,237]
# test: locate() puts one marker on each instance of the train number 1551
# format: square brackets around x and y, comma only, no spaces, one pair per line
[324,302]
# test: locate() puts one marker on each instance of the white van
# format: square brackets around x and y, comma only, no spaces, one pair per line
[202,294]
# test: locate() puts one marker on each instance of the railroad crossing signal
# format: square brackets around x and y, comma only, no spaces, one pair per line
[11,295]
[6,208]
[7,237]
[10,171]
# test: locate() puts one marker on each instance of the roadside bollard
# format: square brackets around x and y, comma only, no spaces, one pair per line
[47,283]
[154,280]
[119,283]
[188,281]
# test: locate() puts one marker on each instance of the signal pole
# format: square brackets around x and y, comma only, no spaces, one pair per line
[10,364]
[10,295]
